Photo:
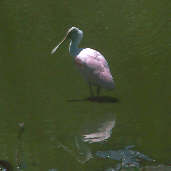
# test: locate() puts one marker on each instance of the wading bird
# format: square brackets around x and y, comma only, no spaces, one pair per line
[91,63]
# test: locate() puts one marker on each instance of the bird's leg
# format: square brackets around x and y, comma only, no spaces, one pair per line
[98,91]
[91,90]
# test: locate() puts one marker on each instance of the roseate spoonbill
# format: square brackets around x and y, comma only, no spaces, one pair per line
[91,63]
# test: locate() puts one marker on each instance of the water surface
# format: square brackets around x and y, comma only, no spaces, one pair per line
[47,93]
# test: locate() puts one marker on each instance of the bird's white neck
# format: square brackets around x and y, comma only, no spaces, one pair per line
[73,47]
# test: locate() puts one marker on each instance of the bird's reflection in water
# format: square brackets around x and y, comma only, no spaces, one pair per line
[101,134]
[81,152]
[96,132]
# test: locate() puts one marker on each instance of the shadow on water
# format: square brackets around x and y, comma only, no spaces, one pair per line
[100,99]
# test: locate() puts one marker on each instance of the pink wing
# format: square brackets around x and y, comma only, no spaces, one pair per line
[94,68]
[92,59]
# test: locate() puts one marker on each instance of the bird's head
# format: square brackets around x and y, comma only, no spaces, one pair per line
[73,33]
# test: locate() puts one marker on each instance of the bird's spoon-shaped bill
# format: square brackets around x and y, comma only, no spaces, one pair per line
[54,49]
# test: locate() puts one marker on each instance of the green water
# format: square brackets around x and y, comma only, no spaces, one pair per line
[46,92]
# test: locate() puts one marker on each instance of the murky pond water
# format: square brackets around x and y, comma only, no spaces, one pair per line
[62,130]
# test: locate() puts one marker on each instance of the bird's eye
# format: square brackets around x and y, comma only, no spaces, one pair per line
[74,31]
